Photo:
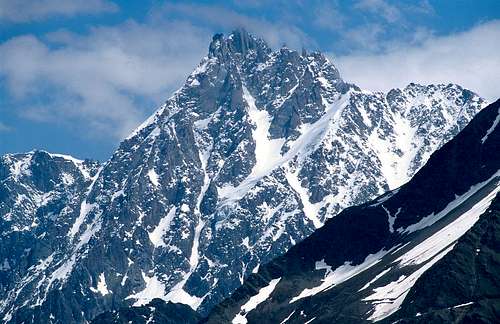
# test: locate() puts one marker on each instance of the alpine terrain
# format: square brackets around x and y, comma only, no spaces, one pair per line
[257,150]
[427,252]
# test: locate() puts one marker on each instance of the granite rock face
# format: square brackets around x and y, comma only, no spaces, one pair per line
[255,151]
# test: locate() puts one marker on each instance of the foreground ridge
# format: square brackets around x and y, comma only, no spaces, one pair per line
[423,252]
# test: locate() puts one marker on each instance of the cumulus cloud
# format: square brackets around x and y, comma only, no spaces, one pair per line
[275,33]
[106,81]
[469,58]
[23,11]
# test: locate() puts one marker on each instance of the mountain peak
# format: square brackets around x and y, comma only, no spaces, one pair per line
[239,41]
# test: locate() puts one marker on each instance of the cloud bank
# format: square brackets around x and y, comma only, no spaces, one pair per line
[105,82]
[469,58]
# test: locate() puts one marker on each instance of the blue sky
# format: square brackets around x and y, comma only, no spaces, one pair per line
[77,76]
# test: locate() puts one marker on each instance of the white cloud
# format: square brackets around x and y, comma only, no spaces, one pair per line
[35,10]
[275,33]
[380,7]
[105,82]
[469,58]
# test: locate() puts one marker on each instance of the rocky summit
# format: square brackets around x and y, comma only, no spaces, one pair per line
[258,149]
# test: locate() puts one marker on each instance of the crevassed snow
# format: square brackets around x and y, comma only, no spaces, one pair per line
[156,236]
[432,218]
[339,275]
[387,299]
[492,128]
[154,178]
[254,301]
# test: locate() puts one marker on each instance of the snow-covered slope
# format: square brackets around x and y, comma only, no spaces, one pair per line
[363,263]
[251,155]
[38,192]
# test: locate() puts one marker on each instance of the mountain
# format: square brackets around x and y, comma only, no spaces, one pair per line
[156,311]
[37,192]
[255,151]
[464,285]
[425,252]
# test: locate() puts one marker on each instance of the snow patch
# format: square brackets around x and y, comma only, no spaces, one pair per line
[341,274]
[387,299]
[391,218]
[267,151]
[432,218]
[156,236]
[154,289]
[85,208]
[21,167]
[102,288]
[254,301]
[310,210]
[492,128]
[185,208]
[447,235]
[310,138]
[154,178]
[377,277]
[67,179]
